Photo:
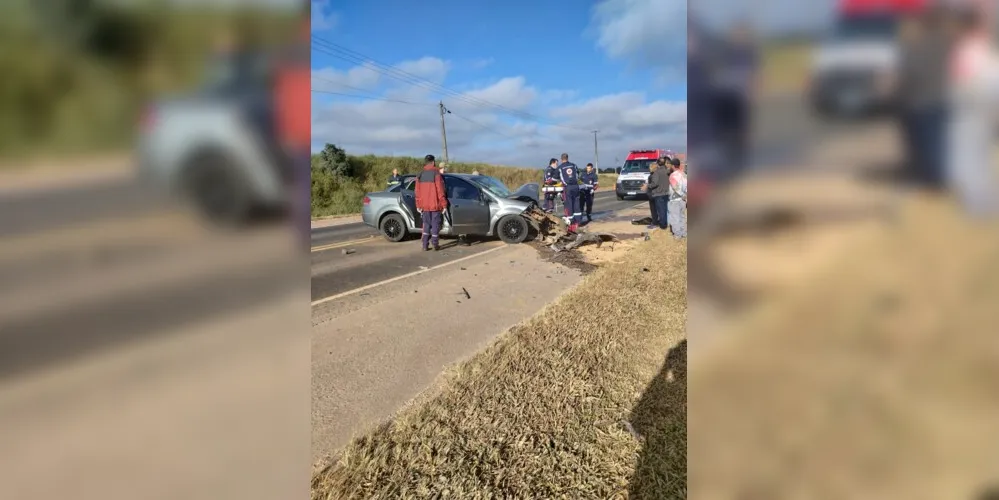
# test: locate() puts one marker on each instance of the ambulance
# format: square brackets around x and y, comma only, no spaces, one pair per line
[849,67]
[635,172]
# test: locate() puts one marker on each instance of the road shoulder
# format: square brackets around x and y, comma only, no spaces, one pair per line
[424,324]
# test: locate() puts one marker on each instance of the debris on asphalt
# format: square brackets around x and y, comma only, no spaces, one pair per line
[644,221]
[467,296]
[348,251]
[584,238]
[424,268]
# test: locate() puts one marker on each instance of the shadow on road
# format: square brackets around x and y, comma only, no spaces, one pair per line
[660,418]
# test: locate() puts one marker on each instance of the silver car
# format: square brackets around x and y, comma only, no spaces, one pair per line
[216,147]
[479,206]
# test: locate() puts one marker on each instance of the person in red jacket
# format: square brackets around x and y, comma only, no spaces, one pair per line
[293,117]
[431,201]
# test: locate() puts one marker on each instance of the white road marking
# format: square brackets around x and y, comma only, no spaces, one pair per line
[414,273]
[404,276]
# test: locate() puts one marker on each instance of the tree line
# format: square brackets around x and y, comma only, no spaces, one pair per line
[76,74]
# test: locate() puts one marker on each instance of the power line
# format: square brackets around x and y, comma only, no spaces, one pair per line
[484,127]
[372,98]
[349,55]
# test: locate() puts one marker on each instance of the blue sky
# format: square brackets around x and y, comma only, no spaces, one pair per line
[523,80]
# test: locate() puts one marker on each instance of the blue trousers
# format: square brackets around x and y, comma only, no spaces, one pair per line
[431,228]
[662,213]
[586,201]
[570,197]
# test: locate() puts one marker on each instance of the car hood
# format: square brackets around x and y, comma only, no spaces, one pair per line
[529,191]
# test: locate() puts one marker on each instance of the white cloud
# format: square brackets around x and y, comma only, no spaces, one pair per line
[649,34]
[323,18]
[361,77]
[427,68]
[478,132]
[482,63]
[512,93]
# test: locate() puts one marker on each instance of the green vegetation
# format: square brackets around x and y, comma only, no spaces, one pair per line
[340,180]
[77,74]
[565,405]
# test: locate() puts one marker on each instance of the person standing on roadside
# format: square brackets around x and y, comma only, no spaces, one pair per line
[657,188]
[395,179]
[588,185]
[569,175]
[735,81]
[431,202]
[677,200]
[922,90]
[660,164]
[974,79]
[292,122]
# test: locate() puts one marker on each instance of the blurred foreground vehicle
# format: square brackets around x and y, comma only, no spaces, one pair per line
[862,52]
[216,147]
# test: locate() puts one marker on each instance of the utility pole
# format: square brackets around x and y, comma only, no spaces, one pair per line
[596,153]
[444,130]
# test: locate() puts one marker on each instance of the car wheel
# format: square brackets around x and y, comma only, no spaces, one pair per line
[512,229]
[393,228]
[620,197]
[218,192]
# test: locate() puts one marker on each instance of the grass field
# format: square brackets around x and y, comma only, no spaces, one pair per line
[337,196]
[585,400]
[874,377]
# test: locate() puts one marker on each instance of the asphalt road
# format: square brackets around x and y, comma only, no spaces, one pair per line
[374,259]
[67,206]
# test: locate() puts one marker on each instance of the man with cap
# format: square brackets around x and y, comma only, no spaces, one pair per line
[587,186]
[431,201]
[569,175]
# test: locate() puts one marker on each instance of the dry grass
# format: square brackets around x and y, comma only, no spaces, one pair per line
[554,408]
[785,67]
[874,378]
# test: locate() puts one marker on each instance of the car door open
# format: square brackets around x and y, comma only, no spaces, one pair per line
[407,201]
[469,209]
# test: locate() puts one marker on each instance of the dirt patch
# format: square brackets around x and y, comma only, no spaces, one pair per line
[573,259]
[589,257]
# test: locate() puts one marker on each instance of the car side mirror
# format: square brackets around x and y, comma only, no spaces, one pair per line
[483,198]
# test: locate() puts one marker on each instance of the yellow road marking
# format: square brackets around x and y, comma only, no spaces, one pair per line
[343,244]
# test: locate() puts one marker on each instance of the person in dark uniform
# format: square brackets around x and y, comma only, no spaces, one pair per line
[569,175]
[587,186]
[395,179]
[551,176]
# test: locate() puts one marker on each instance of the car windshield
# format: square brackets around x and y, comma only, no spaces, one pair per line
[866,27]
[493,185]
[637,166]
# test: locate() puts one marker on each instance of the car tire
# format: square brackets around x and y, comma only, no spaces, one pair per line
[393,228]
[512,229]
[213,184]
[620,197]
